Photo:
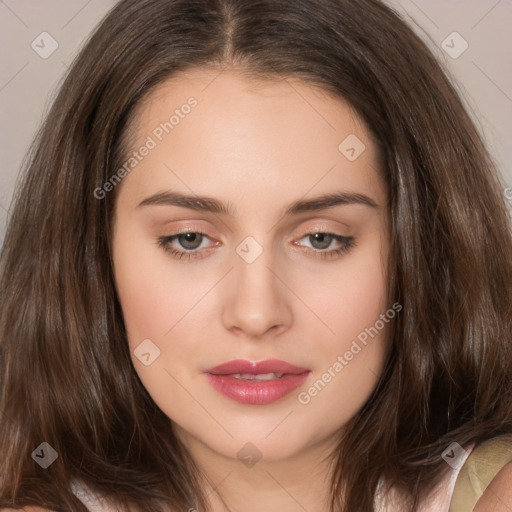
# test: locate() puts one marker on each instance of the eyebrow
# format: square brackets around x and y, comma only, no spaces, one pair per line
[209,204]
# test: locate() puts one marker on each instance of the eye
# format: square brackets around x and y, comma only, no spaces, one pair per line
[183,245]
[321,241]
[190,244]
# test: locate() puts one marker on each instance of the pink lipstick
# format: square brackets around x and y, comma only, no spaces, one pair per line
[256,383]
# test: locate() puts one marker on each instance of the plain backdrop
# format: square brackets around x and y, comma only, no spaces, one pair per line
[476,57]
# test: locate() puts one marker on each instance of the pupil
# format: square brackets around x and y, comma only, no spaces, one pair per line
[321,240]
[190,240]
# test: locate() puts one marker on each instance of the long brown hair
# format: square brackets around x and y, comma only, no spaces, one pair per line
[65,369]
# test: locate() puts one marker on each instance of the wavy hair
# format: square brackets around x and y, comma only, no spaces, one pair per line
[65,370]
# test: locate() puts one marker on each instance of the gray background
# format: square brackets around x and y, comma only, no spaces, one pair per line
[28,82]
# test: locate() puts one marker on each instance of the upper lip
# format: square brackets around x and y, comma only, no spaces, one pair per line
[239,366]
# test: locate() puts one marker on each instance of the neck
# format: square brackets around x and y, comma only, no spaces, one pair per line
[298,483]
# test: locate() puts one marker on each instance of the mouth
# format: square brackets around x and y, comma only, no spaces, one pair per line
[256,383]
[259,376]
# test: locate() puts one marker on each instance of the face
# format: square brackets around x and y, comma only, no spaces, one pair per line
[250,251]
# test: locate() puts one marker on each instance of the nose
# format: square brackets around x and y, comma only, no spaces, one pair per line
[257,302]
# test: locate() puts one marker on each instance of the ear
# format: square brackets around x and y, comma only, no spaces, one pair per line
[498,495]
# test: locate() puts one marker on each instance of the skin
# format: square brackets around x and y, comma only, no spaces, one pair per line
[258,146]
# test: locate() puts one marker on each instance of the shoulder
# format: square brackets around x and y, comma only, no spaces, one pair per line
[485,480]
[498,494]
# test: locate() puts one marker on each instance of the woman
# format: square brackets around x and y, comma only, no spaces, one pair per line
[259,260]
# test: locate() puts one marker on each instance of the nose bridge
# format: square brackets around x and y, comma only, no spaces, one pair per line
[257,300]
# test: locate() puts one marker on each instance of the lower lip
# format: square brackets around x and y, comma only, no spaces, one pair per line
[256,392]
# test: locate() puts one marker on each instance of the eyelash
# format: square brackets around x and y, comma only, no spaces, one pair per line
[347,243]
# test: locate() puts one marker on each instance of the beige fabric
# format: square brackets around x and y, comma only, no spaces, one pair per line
[484,463]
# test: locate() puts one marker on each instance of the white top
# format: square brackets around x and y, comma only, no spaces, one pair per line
[439,500]
[90,500]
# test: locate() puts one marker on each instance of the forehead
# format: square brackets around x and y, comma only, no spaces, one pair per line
[221,93]
[247,135]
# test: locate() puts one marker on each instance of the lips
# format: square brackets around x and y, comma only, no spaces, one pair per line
[254,368]
[256,383]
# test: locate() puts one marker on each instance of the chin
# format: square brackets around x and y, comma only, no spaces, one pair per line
[268,440]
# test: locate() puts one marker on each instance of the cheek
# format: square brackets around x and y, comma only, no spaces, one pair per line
[166,302]
[153,292]
[350,362]
[350,358]
[346,296]
[157,302]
